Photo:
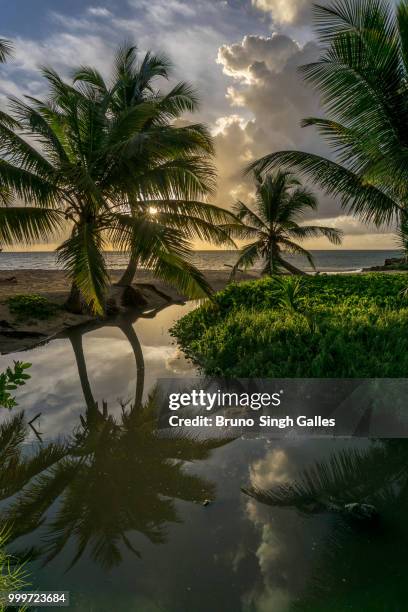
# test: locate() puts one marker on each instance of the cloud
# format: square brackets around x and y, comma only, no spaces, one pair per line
[240,60]
[285,12]
[99,11]
[164,12]
[351,225]
[271,100]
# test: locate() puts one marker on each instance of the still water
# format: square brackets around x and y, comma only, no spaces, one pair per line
[119,518]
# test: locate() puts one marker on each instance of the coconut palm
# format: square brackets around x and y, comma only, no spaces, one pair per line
[133,84]
[361,77]
[280,201]
[85,170]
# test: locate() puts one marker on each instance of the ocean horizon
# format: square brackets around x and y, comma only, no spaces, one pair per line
[340,260]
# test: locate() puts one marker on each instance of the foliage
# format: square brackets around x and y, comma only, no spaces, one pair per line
[12,574]
[77,158]
[99,468]
[10,380]
[31,306]
[361,77]
[189,147]
[6,49]
[274,224]
[328,326]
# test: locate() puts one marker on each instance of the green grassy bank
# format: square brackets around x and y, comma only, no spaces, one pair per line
[321,326]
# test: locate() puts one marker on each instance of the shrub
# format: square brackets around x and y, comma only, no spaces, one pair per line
[330,326]
[31,306]
[10,380]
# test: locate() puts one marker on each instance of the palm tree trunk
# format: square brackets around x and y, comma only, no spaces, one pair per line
[129,331]
[75,337]
[129,274]
[75,303]
[292,269]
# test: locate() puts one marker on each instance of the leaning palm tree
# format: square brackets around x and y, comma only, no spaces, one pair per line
[174,203]
[280,201]
[85,168]
[361,77]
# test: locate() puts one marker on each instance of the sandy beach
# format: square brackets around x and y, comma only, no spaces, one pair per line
[54,285]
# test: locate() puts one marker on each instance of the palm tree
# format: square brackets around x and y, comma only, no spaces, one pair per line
[362,78]
[280,200]
[93,169]
[173,203]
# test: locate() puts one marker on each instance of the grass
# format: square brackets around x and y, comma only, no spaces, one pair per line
[12,574]
[31,306]
[321,326]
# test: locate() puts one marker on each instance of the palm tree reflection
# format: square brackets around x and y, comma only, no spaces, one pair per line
[362,563]
[112,478]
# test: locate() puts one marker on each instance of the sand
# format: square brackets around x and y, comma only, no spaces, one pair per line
[54,285]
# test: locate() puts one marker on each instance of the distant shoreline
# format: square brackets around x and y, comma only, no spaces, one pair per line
[331,260]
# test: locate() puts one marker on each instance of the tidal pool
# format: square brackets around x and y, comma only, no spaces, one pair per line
[127,519]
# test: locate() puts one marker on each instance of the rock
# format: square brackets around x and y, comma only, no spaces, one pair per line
[206,502]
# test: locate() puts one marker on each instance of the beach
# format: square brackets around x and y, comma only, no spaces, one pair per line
[54,285]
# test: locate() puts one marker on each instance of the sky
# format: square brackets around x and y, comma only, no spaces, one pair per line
[242,56]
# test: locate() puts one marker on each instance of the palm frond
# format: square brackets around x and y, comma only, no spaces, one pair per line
[365,200]
[6,49]
[82,257]
[28,224]
[313,231]
[247,257]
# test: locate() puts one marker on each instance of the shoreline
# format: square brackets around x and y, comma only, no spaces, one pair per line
[54,285]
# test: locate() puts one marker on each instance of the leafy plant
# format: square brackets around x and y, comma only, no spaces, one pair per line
[31,306]
[10,380]
[329,326]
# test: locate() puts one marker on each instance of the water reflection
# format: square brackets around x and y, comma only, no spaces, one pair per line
[360,498]
[119,506]
[112,477]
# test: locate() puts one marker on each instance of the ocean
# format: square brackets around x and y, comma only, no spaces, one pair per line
[326,261]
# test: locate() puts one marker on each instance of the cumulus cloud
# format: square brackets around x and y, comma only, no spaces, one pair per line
[240,60]
[285,12]
[270,99]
